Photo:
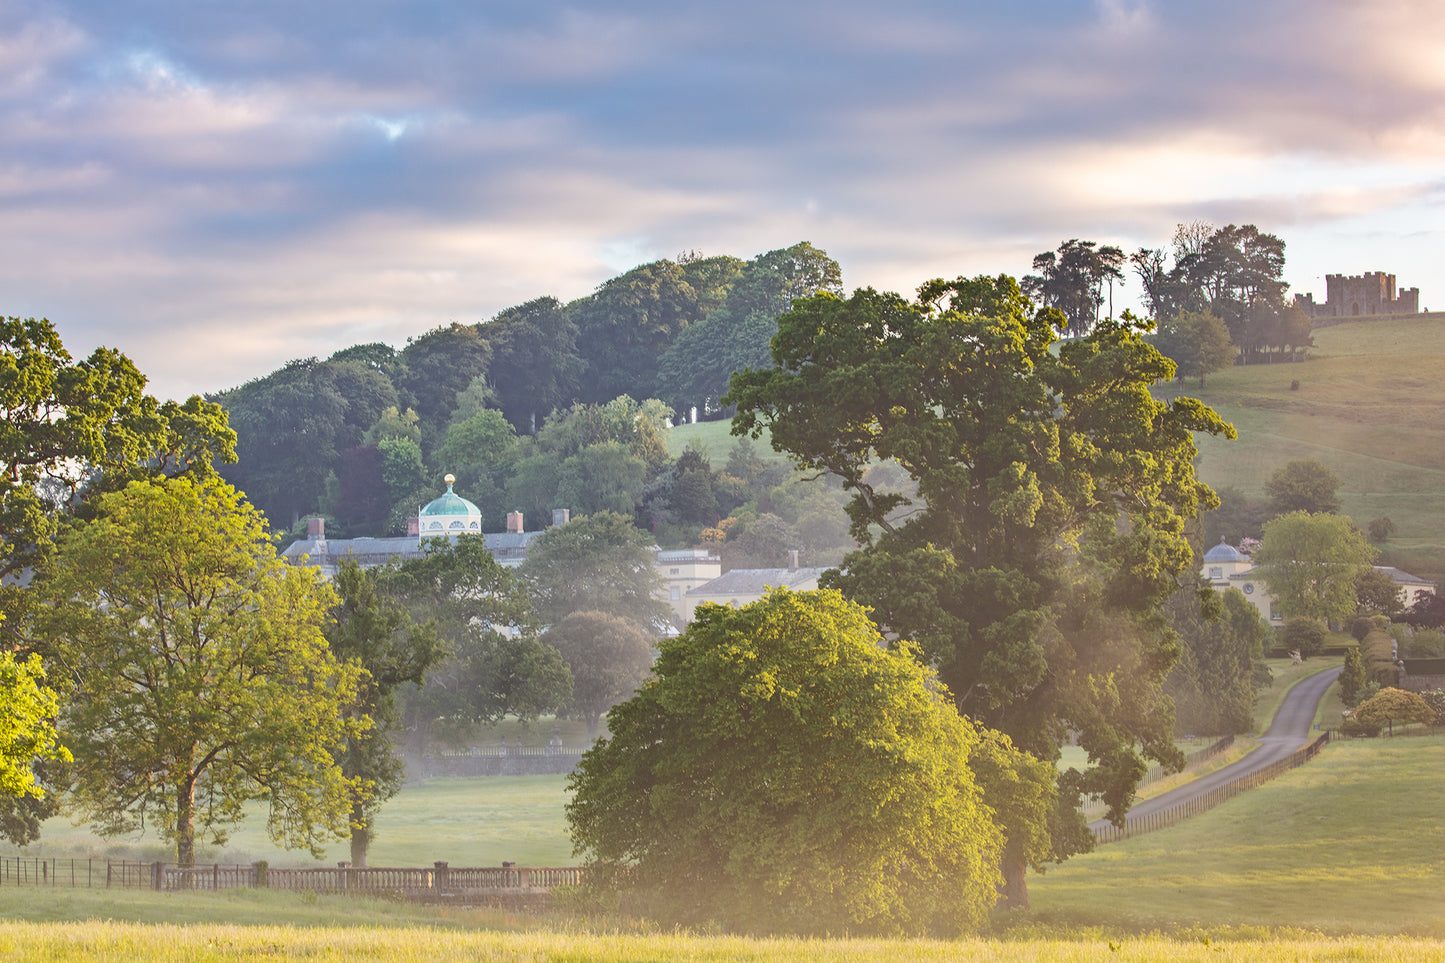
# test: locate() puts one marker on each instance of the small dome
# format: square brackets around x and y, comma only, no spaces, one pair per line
[451,504]
[1224,552]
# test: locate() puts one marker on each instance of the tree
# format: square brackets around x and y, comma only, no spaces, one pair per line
[1214,682]
[627,325]
[495,664]
[1352,678]
[1196,341]
[71,430]
[1303,485]
[200,676]
[27,728]
[1238,517]
[1311,564]
[373,631]
[695,369]
[598,563]
[1390,706]
[1048,524]
[785,771]
[1072,281]
[535,364]
[292,426]
[1376,593]
[608,658]
[1304,635]
[1427,611]
[1381,529]
[435,367]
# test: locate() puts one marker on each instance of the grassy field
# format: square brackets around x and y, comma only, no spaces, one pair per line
[1351,843]
[1368,405]
[467,822]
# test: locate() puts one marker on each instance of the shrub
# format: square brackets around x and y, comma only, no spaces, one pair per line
[1378,651]
[1435,699]
[1390,706]
[1426,644]
[1361,627]
[1306,635]
[1381,529]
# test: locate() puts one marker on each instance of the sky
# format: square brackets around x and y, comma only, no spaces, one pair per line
[216,188]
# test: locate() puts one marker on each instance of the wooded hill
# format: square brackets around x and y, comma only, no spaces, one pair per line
[547,405]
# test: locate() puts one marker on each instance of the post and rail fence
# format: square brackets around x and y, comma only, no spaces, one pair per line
[1138,825]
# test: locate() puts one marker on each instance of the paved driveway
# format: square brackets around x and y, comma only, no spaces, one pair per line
[1291,728]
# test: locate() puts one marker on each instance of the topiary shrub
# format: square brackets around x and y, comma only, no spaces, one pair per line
[1305,635]
[1361,627]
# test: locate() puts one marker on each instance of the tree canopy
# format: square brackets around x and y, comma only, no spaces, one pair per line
[70,430]
[1303,485]
[199,675]
[598,563]
[1311,564]
[1049,519]
[784,771]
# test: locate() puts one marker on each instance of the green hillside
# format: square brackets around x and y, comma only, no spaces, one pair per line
[1369,405]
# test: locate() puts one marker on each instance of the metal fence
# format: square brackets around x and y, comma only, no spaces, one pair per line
[1138,825]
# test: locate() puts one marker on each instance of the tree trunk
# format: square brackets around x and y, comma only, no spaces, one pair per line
[360,835]
[1014,894]
[186,823]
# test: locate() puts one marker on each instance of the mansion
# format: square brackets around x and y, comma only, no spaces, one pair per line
[1227,567]
[690,577]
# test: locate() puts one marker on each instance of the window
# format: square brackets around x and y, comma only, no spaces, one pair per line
[1274,615]
[674,571]
[1248,588]
[1217,572]
[674,593]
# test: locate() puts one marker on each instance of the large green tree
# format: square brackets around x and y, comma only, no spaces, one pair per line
[785,771]
[1196,341]
[599,563]
[608,657]
[1049,519]
[197,671]
[292,426]
[495,664]
[71,430]
[374,631]
[1303,485]
[1311,564]
[1213,684]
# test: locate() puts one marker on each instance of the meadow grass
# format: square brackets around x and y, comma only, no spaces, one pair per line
[43,943]
[1352,842]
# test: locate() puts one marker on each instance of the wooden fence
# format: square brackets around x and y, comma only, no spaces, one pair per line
[1094,805]
[1137,825]
[437,880]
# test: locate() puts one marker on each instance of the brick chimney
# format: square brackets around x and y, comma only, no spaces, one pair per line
[413,526]
[515,523]
[316,529]
[561,516]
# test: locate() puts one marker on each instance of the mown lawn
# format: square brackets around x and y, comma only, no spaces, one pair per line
[467,822]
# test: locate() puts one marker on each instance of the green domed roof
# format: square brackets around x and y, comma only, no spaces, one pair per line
[451,504]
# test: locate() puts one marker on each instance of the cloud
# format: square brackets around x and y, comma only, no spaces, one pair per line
[218,188]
